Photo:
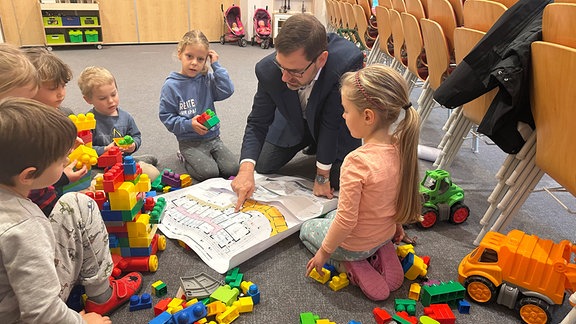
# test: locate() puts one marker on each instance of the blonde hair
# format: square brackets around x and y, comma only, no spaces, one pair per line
[92,77]
[384,91]
[16,70]
[49,66]
[194,37]
[34,135]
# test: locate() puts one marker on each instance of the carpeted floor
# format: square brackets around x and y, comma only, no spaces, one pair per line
[140,71]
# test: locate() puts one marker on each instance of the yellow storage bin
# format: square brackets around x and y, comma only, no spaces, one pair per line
[91,35]
[89,21]
[55,39]
[52,21]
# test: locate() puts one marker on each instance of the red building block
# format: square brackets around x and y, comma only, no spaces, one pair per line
[110,158]
[407,317]
[440,312]
[113,178]
[99,197]
[381,316]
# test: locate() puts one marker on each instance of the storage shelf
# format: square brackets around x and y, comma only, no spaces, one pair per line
[71,27]
[68,43]
[69,6]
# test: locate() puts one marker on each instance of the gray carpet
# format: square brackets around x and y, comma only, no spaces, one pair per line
[140,71]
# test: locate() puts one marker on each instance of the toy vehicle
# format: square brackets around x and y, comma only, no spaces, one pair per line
[520,271]
[442,199]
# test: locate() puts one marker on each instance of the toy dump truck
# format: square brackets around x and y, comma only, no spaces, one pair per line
[520,271]
[442,199]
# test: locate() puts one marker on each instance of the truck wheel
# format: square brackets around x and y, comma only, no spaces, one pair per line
[534,310]
[459,213]
[480,289]
[429,217]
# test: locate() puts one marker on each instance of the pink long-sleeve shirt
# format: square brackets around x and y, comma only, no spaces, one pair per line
[369,184]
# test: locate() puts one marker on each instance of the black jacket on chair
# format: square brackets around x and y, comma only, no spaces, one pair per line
[501,59]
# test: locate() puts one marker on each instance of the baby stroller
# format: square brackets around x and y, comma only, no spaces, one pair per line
[262,28]
[233,27]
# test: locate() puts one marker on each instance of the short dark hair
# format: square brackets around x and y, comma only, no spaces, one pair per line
[302,31]
[50,67]
[32,134]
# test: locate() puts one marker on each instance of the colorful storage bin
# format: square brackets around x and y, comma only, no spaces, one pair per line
[70,21]
[89,21]
[75,36]
[91,35]
[55,39]
[52,21]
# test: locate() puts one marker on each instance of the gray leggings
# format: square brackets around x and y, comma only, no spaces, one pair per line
[312,234]
[208,159]
[82,253]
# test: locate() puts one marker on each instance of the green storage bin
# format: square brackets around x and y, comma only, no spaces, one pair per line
[89,21]
[55,39]
[52,21]
[91,35]
[75,36]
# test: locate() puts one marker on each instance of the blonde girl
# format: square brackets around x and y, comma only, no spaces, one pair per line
[378,184]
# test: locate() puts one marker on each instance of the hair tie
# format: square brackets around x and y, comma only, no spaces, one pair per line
[362,90]
[407,106]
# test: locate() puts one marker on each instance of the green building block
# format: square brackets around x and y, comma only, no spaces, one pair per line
[308,318]
[405,305]
[444,293]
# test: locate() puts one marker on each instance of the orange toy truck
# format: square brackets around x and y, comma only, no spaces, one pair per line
[520,271]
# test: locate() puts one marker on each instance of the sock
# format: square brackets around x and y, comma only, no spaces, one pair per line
[103,297]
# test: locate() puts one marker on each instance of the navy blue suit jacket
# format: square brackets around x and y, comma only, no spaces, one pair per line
[276,114]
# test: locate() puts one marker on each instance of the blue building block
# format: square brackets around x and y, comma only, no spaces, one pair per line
[163,318]
[140,302]
[254,292]
[129,165]
[354,322]
[190,314]
[463,307]
[332,269]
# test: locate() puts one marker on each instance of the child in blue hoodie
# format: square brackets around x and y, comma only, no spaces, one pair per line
[188,94]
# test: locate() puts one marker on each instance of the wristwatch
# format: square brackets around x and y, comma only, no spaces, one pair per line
[322,179]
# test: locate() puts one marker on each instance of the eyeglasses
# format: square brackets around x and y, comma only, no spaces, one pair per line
[297,74]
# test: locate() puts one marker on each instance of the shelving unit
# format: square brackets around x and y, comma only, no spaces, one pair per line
[68,24]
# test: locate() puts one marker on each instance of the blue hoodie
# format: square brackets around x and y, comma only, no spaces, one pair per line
[183,97]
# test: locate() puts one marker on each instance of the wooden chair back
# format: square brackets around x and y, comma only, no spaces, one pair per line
[366,8]
[399,5]
[437,54]
[415,8]
[482,14]
[397,34]
[384,28]
[507,3]
[458,8]
[414,45]
[552,95]
[361,24]
[441,12]
[559,23]
[385,3]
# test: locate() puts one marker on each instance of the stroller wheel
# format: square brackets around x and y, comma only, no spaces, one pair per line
[263,44]
[243,42]
[222,40]
[252,41]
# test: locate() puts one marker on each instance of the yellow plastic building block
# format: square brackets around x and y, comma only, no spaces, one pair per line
[403,250]
[143,241]
[215,307]
[140,227]
[244,304]
[186,180]
[245,285]
[320,278]
[339,282]
[124,198]
[414,291]
[83,122]
[228,316]
[324,321]
[427,320]
[84,155]
[143,184]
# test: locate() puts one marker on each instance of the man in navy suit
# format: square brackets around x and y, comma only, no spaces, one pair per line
[297,104]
